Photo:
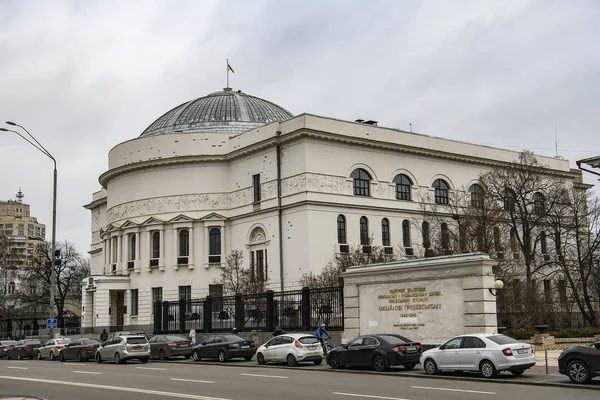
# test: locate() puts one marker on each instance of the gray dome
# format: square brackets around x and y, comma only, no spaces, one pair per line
[227,111]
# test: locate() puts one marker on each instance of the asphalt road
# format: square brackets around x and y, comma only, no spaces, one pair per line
[132,381]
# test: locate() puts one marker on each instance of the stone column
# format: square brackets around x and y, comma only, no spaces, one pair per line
[206,246]
[479,303]
[138,246]
[175,248]
[351,313]
[162,257]
[104,254]
[191,250]
[120,252]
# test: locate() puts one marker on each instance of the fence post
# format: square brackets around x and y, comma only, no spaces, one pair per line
[207,314]
[239,312]
[165,316]
[306,309]
[270,311]
[182,304]
[157,317]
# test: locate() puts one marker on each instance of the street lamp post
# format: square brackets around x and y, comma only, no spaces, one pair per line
[53,256]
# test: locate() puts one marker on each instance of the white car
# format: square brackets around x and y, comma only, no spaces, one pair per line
[52,348]
[291,348]
[488,353]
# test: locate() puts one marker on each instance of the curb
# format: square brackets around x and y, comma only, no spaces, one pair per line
[405,373]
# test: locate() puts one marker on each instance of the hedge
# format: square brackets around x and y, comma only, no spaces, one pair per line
[565,333]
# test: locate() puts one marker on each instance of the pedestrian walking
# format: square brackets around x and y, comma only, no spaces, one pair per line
[103,336]
[192,336]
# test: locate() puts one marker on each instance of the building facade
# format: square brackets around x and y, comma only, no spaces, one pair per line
[230,171]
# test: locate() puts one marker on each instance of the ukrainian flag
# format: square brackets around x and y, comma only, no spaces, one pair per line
[229,68]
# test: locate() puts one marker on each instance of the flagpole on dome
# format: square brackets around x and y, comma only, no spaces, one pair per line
[228,69]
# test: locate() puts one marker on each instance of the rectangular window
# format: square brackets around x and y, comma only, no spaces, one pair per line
[252,267]
[547,293]
[134,301]
[260,264]
[132,247]
[215,290]
[256,187]
[155,244]
[156,294]
[185,293]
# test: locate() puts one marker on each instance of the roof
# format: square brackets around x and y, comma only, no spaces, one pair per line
[227,111]
[592,161]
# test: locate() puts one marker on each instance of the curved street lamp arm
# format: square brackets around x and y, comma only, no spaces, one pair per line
[30,142]
[39,144]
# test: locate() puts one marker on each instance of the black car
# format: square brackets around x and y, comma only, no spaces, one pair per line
[4,346]
[224,347]
[165,346]
[27,348]
[376,351]
[80,350]
[580,363]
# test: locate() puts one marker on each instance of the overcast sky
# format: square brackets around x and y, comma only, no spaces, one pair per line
[83,76]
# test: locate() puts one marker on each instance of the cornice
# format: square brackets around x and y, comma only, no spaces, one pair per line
[95,203]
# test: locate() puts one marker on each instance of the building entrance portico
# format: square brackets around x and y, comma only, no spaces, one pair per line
[104,303]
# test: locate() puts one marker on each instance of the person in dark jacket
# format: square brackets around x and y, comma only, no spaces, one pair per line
[278,331]
[103,336]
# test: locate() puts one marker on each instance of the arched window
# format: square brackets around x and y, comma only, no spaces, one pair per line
[445,236]
[498,243]
[341,229]
[406,242]
[513,243]
[425,233]
[441,191]
[403,187]
[11,288]
[539,204]
[184,243]
[156,244]
[214,245]
[509,200]
[476,192]
[362,182]
[385,232]
[543,242]
[364,231]
[132,247]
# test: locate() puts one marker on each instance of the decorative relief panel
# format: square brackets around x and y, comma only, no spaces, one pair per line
[96,237]
[241,197]
[269,190]
[258,235]
[293,185]
[160,205]
[328,184]
[382,190]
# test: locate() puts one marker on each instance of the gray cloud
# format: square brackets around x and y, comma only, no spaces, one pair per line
[84,76]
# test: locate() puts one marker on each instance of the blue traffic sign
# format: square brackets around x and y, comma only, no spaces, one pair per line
[51,324]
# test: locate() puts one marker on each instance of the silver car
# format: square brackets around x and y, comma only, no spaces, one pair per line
[52,348]
[122,348]
[488,353]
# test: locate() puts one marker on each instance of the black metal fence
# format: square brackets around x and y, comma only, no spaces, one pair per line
[302,309]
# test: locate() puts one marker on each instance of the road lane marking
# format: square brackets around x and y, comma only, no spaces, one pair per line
[368,396]
[190,380]
[115,388]
[17,367]
[87,372]
[266,376]
[452,390]
[152,369]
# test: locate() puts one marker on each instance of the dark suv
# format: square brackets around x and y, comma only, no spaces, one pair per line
[580,363]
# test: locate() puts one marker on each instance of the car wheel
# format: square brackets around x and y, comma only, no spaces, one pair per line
[430,367]
[260,359]
[335,362]
[52,356]
[578,372]
[517,372]
[222,357]
[196,355]
[487,369]
[117,358]
[78,357]
[162,355]
[40,356]
[98,358]
[61,357]
[144,360]
[409,366]
[248,358]
[379,363]
[318,362]
[291,360]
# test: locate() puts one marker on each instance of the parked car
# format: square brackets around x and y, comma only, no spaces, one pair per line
[4,346]
[488,353]
[120,349]
[377,351]
[580,363]
[165,346]
[127,333]
[51,348]
[291,348]
[224,347]
[27,348]
[80,350]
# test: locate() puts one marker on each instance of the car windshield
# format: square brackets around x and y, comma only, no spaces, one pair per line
[502,339]
[176,339]
[233,338]
[136,340]
[395,339]
[308,340]
[63,341]
[32,342]
[8,342]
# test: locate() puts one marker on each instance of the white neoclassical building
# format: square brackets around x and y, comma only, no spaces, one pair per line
[232,171]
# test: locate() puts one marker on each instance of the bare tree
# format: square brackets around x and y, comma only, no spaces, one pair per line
[237,279]
[69,271]
[7,281]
